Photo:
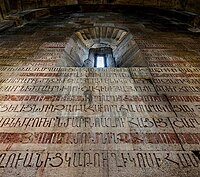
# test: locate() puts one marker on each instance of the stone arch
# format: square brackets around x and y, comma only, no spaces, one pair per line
[125,50]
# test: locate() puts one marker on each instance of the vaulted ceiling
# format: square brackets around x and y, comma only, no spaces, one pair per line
[21,11]
[18,5]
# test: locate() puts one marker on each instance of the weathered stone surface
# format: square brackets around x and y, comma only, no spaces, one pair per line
[60,120]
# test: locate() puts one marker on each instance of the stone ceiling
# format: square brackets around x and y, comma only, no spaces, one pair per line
[19,5]
[18,12]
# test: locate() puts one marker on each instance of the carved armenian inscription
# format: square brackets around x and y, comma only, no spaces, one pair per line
[79,122]
[67,117]
[126,159]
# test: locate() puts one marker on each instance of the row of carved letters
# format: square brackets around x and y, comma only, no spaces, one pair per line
[115,122]
[97,159]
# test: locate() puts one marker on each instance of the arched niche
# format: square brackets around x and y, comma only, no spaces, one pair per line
[82,47]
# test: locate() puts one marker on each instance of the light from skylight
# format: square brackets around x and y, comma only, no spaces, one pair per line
[100,62]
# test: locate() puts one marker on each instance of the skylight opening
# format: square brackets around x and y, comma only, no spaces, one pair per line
[100,62]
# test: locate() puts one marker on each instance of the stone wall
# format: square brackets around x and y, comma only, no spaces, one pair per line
[103,122]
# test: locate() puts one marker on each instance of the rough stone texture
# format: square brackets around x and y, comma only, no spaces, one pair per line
[58,121]
[7,6]
[190,5]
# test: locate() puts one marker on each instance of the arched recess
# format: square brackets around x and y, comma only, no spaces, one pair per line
[125,51]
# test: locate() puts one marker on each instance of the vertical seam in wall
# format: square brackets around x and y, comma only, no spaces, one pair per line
[169,105]
[150,79]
